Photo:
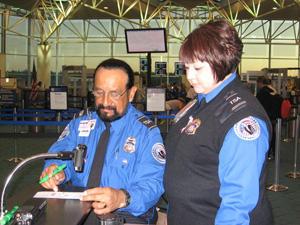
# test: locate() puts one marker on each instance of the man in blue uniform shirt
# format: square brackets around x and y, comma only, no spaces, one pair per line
[132,175]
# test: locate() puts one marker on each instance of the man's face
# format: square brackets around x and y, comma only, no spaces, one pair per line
[112,81]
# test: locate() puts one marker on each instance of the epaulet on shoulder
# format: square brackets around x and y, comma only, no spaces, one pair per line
[233,103]
[147,122]
[83,113]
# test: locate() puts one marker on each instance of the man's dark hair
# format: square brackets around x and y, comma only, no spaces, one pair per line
[118,64]
[217,43]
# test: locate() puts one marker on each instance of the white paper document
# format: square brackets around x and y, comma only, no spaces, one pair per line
[60,195]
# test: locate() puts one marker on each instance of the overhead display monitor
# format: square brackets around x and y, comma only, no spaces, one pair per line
[160,68]
[179,68]
[160,65]
[143,65]
[146,40]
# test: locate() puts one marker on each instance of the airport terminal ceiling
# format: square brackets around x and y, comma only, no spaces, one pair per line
[47,16]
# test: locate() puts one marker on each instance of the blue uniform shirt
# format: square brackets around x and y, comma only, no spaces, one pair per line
[135,156]
[240,165]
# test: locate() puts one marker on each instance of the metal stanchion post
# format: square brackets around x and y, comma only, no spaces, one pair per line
[287,139]
[58,118]
[168,114]
[295,174]
[15,159]
[23,118]
[155,115]
[276,186]
[85,105]
[23,107]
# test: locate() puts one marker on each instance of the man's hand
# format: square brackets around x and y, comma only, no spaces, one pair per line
[53,181]
[105,199]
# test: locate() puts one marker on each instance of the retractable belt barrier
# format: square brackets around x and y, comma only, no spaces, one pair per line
[29,113]
[33,113]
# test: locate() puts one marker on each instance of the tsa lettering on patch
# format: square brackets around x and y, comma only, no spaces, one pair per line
[159,153]
[247,129]
[64,133]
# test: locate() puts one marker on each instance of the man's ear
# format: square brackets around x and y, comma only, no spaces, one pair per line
[132,92]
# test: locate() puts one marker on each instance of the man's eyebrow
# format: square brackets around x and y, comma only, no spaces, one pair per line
[100,89]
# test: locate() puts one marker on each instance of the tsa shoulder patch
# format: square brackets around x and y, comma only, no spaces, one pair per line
[147,122]
[247,129]
[159,153]
[64,133]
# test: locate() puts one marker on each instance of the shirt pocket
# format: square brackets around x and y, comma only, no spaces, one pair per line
[122,160]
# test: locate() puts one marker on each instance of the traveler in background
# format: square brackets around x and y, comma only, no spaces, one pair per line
[264,97]
[175,91]
[182,92]
[294,90]
[175,104]
[294,95]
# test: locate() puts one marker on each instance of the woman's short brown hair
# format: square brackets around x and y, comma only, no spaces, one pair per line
[217,43]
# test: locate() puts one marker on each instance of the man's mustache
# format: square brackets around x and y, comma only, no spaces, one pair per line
[101,106]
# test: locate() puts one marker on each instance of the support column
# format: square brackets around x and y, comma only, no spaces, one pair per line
[3,46]
[43,64]
[2,65]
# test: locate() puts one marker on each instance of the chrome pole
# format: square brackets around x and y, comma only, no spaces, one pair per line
[58,118]
[16,158]
[276,186]
[295,174]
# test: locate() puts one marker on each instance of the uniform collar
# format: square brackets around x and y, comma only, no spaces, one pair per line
[119,124]
[208,97]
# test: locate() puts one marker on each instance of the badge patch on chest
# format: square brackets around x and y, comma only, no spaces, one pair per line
[192,126]
[129,146]
[247,129]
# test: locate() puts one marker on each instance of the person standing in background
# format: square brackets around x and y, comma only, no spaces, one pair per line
[175,91]
[294,95]
[264,96]
[182,92]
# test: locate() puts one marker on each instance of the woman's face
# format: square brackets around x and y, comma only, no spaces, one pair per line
[201,77]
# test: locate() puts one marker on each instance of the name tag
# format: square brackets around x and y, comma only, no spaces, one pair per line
[84,133]
[85,127]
